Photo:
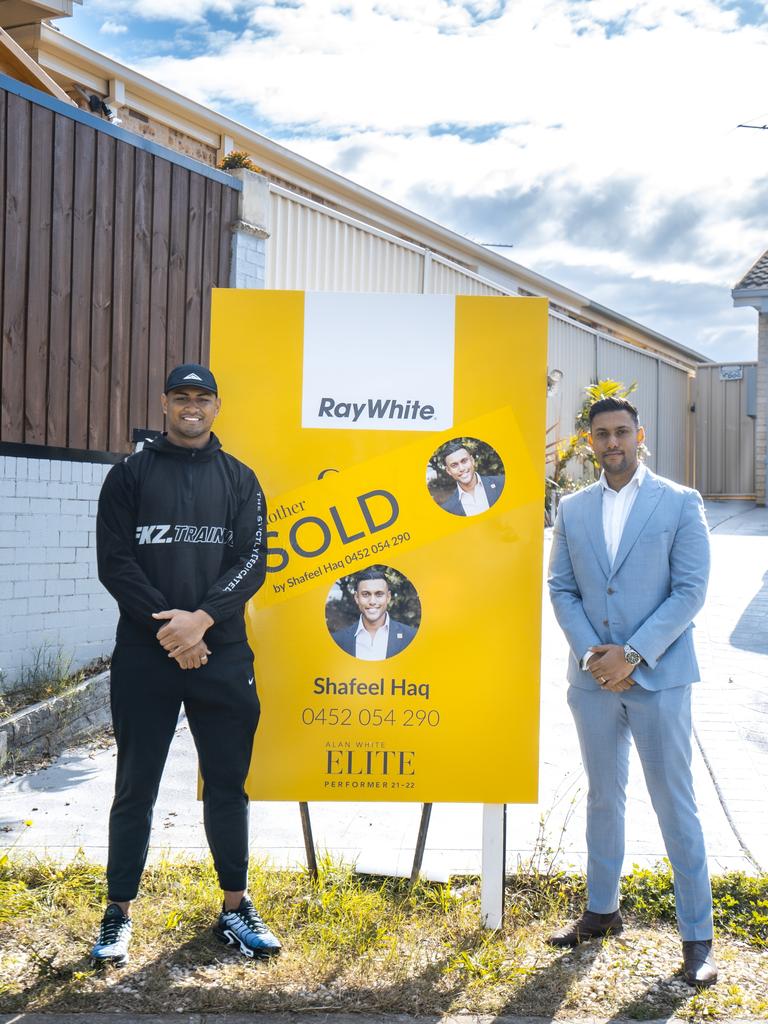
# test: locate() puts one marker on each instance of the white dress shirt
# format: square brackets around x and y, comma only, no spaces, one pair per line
[372,647]
[616,508]
[476,501]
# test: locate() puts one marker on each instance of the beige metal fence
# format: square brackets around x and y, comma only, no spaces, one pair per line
[725,407]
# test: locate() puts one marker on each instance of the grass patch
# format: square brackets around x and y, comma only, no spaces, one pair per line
[740,901]
[356,943]
[47,674]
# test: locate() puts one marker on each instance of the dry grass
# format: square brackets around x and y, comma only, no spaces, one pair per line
[352,944]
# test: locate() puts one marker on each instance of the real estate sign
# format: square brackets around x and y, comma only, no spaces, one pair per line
[399,439]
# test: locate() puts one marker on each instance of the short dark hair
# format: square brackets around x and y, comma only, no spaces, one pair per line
[613,405]
[451,448]
[374,572]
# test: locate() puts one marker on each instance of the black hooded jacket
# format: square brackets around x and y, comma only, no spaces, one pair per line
[181,528]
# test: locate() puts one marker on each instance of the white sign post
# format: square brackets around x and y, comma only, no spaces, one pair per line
[493,865]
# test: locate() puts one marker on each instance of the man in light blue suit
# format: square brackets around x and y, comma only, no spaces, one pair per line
[628,572]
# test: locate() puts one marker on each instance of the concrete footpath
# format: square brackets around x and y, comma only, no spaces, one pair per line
[67,803]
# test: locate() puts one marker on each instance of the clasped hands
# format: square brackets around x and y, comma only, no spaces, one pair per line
[182,636]
[610,668]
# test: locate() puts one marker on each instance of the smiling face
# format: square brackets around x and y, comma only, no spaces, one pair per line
[460,466]
[614,439]
[373,598]
[189,415]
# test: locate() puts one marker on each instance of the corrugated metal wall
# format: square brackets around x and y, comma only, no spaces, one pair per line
[673,441]
[725,432]
[315,248]
[572,351]
[444,278]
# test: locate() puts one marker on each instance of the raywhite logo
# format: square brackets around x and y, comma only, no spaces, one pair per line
[376,409]
[192,376]
[378,362]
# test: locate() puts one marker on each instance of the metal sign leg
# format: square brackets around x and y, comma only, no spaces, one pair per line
[309,843]
[421,843]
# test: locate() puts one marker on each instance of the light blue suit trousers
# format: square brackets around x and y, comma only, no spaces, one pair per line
[647,597]
[660,724]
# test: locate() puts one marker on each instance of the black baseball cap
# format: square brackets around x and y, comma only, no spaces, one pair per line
[191,375]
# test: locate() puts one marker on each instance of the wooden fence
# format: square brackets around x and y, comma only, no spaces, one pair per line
[109,248]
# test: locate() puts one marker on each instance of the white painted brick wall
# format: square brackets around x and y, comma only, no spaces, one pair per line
[249,260]
[49,590]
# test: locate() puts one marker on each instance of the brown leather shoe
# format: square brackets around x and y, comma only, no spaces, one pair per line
[699,966]
[589,926]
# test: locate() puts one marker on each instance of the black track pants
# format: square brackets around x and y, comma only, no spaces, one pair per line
[147,691]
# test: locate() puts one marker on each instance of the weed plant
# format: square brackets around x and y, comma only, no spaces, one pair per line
[46,674]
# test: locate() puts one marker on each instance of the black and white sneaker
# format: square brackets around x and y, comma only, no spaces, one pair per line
[114,938]
[244,929]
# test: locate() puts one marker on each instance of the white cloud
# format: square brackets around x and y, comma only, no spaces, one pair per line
[113,28]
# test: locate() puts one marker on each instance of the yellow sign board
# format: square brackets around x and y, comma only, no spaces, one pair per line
[346,406]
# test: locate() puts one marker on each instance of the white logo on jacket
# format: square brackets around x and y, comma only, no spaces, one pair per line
[184,534]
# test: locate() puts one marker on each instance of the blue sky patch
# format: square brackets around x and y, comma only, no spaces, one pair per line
[468,132]
[158,37]
[749,12]
[480,15]
[614,27]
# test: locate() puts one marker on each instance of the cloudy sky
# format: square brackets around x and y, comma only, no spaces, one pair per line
[598,136]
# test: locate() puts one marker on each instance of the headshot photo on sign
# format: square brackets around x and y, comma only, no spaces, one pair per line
[373,614]
[465,476]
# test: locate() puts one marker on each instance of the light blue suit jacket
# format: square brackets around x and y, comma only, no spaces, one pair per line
[648,598]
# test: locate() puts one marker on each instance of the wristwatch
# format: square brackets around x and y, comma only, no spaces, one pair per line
[631,656]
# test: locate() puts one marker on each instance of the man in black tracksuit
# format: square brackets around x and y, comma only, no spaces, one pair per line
[181,544]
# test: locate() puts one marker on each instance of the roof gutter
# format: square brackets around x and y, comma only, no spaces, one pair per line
[756,297]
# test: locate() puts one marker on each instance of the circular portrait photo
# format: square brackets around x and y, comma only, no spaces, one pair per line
[373,614]
[465,476]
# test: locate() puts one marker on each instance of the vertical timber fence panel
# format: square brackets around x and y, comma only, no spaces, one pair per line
[122,259]
[38,306]
[109,248]
[61,281]
[101,317]
[17,156]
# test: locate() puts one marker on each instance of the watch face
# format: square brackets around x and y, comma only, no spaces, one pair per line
[632,657]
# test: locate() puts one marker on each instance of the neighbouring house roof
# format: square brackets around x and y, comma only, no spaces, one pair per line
[30,12]
[756,276]
[16,63]
[752,289]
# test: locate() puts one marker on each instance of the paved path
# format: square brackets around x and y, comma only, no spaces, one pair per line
[67,803]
